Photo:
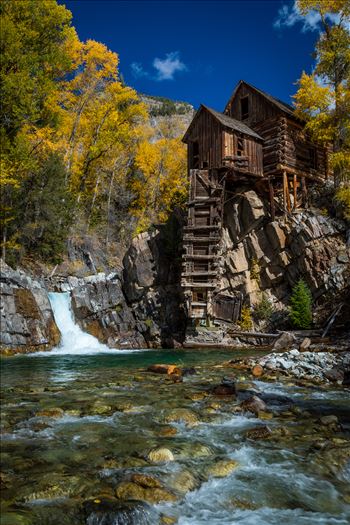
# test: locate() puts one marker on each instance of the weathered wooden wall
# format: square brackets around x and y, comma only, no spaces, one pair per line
[259,109]
[207,132]
[251,158]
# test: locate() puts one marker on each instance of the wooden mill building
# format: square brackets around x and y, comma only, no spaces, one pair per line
[257,140]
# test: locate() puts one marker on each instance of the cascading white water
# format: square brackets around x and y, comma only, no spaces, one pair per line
[73,339]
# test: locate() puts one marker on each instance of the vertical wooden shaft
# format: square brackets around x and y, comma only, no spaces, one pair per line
[304,192]
[295,191]
[285,190]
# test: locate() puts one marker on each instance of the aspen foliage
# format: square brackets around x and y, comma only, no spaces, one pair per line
[77,150]
[323,97]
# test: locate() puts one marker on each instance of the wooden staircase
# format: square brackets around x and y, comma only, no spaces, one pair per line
[201,241]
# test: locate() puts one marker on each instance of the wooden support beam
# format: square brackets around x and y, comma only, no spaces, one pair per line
[295,191]
[289,204]
[304,192]
[285,190]
[272,201]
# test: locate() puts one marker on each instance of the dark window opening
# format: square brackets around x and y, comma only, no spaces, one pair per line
[199,297]
[205,164]
[313,158]
[244,108]
[240,146]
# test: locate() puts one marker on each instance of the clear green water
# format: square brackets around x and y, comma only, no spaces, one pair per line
[112,412]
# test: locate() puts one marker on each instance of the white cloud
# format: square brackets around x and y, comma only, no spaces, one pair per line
[168,66]
[289,15]
[137,70]
[165,68]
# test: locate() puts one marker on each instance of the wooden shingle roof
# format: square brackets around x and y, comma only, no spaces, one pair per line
[226,121]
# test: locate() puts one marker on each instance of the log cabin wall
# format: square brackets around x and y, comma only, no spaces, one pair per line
[271,131]
[301,154]
[285,145]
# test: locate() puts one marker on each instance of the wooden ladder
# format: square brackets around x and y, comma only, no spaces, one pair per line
[201,241]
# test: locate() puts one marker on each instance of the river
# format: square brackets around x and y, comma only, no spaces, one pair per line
[77,423]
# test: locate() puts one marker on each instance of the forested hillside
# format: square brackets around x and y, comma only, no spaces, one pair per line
[81,152]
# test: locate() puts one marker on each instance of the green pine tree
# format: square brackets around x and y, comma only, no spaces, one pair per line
[300,311]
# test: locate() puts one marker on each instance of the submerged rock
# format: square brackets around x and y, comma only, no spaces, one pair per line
[160,455]
[254,404]
[165,369]
[222,468]
[146,481]
[128,490]
[182,415]
[111,511]
[183,481]
[329,420]
[226,388]
[50,412]
[262,432]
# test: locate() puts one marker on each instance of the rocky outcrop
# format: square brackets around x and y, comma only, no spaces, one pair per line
[151,284]
[27,322]
[263,256]
[100,309]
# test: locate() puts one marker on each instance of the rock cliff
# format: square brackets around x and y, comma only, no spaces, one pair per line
[27,322]
[264,257]
[141,303]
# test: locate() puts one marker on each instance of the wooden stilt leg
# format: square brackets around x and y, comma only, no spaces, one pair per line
[295,191]
[304,192]
[272,201]
[285,190]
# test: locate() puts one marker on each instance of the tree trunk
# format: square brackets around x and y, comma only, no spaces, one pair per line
[108,208]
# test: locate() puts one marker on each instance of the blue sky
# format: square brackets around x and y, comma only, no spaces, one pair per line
[197,51]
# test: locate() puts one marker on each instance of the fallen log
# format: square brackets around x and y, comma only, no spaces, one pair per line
[252,334]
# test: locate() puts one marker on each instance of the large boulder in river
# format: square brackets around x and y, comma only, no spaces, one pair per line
[27,322]
[284,342]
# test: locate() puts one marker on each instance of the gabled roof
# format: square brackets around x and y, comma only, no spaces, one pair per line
[283,106]
[226,121]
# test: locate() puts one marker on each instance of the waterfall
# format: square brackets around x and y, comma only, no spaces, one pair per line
[73,339]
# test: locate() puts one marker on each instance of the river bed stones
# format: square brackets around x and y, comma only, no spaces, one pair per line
[50,412]
[226,388]
[261,432]
[160,455]
[182,415]
[182,482]
[164,369]
[222,468]
[313,367]
[257,371]
[254,404]
[111,511]
[129,490]
[329,420]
